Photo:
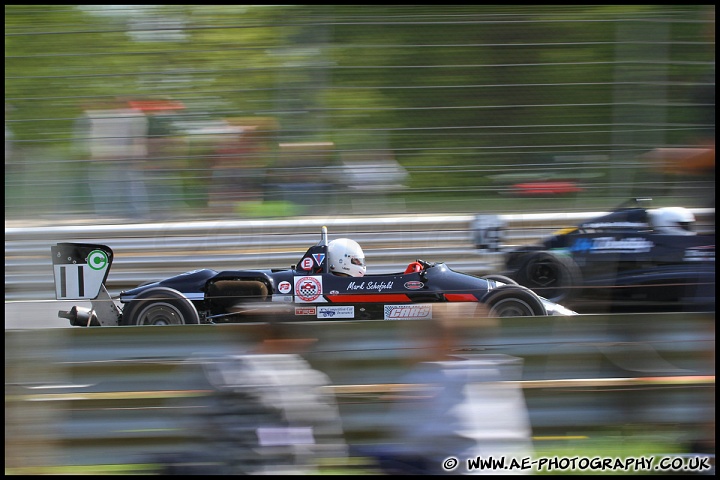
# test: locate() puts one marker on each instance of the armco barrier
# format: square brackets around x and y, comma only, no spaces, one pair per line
[147,252]
[103,396]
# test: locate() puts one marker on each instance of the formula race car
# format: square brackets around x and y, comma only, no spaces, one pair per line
[631,255]
[309,290]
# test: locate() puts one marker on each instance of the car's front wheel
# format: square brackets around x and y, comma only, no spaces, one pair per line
[555,277]
[513,301]
[160,306]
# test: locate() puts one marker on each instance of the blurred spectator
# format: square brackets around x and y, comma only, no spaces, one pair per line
[9,161]
[8,140]
[9,151]
[165,161]
[464,406]
[302,174]
[115,135]
[268,414]
[238,165]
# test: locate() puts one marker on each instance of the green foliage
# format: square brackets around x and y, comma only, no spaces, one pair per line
[467,89]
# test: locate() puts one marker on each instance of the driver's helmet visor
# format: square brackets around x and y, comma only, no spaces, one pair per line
[358,261]
[686,226]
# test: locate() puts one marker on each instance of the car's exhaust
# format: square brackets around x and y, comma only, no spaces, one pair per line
[80,317]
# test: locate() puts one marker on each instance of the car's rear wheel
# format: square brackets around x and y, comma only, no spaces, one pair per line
[555,277]
[513,301]
[160,306]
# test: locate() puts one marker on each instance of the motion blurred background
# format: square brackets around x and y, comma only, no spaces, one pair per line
[153,113]
[150,112]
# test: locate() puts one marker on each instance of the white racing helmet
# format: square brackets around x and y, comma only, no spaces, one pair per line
[346,257]
[672,220]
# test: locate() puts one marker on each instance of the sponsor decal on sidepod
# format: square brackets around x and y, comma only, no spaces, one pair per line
[407,312]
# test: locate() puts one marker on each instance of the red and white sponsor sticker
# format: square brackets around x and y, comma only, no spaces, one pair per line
[308,289]
[305,311]
[307,263]
[284,287]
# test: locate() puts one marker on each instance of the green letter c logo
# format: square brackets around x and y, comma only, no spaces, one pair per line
[97,260]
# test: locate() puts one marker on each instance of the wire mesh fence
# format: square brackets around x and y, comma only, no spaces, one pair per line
[180,111]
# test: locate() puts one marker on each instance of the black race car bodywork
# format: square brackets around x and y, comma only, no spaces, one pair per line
[620,258]
[307,291]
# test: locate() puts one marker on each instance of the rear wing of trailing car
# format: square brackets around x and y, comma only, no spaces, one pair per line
[488,232]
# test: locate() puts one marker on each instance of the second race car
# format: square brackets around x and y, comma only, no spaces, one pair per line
[328,283]
[633,255]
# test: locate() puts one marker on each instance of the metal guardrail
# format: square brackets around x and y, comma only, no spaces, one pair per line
[148,252]
[107,396]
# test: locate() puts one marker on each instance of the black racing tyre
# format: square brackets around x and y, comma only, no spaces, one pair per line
[513,301]
[160,306]
[555,277]
[500,278]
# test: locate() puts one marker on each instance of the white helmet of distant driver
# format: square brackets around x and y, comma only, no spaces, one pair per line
[672,220]
[346,257]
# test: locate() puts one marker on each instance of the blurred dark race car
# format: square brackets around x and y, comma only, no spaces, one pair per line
[632,255]
[329,283]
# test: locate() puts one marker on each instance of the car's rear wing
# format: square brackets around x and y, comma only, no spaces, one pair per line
[80,269]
